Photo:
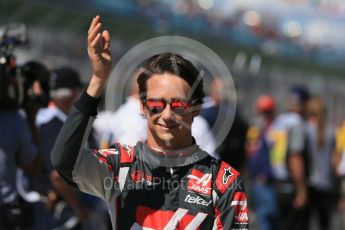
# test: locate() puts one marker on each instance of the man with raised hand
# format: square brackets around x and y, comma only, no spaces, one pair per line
[166,182]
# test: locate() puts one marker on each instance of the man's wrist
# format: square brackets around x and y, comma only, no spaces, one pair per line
[95,87]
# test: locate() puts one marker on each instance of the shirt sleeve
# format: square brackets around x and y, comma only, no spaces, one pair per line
[88,169]
[296,139]
[95,172]
[230,203]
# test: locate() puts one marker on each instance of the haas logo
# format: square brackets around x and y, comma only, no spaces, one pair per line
[240,205]
[200,182]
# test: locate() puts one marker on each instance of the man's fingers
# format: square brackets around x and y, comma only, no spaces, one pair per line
[106,39]
[94,22]
[94,32]
[95,41]
[94,28]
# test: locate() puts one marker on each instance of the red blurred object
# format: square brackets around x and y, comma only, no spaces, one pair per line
[265,104]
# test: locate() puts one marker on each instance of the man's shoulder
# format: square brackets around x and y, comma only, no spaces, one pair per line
[46,115]
[288,119]
[12,117]
[125,152]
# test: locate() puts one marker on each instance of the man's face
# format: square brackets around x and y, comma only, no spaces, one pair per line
[168,130]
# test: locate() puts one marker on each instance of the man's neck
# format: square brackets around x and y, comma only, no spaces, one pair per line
[169,145]
[172,152]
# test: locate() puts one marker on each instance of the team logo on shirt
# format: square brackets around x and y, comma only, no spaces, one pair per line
[127,153]
[103,155]
[127,149]
[108,152]
[241,209]
[226,175]
[200,182]
[197,200]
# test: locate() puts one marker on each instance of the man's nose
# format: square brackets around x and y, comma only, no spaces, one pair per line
[167,113]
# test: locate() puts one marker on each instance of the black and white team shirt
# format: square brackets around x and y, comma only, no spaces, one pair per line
[145,189]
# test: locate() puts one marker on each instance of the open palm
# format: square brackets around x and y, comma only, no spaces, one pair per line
[99,50]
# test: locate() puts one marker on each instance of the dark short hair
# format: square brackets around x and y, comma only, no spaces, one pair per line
[300,92]
[173,64]
[34,70]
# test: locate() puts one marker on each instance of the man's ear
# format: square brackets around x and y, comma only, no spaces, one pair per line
[197,110]
[143,108]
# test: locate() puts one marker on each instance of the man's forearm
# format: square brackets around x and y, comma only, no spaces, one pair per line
[297,170]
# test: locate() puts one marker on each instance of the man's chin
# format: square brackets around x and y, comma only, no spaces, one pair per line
[167,137]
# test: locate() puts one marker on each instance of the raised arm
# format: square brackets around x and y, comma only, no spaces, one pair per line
[78,166]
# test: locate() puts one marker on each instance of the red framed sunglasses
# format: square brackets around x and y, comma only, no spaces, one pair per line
[157,105]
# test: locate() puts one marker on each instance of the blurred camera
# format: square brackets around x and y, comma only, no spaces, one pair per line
[12,35]
[11,90]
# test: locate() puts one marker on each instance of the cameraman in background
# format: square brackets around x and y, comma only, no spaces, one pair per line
[36,91]
[17,148]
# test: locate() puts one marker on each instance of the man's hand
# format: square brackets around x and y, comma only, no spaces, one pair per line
[296,166]
[98,47]
[301,199]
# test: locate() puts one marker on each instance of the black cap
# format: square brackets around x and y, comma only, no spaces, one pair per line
[65,77]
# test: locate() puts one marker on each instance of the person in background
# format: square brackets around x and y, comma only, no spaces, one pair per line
[289,152]
[322,145]
[258,164]
[232,149]
[17,150]
[36,91]
[339,168]
[65,87]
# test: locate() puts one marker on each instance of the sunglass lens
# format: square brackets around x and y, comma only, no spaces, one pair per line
[179,107]
[155,106]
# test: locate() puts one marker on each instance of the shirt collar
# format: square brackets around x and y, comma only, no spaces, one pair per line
[175,158]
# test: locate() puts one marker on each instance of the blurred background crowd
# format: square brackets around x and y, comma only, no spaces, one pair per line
[288,136]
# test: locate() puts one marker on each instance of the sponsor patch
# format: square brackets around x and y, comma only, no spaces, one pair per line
[225,177]
[241,208]
[108,152]
[127,154]
[200,182]
[197,200]
[227,174]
